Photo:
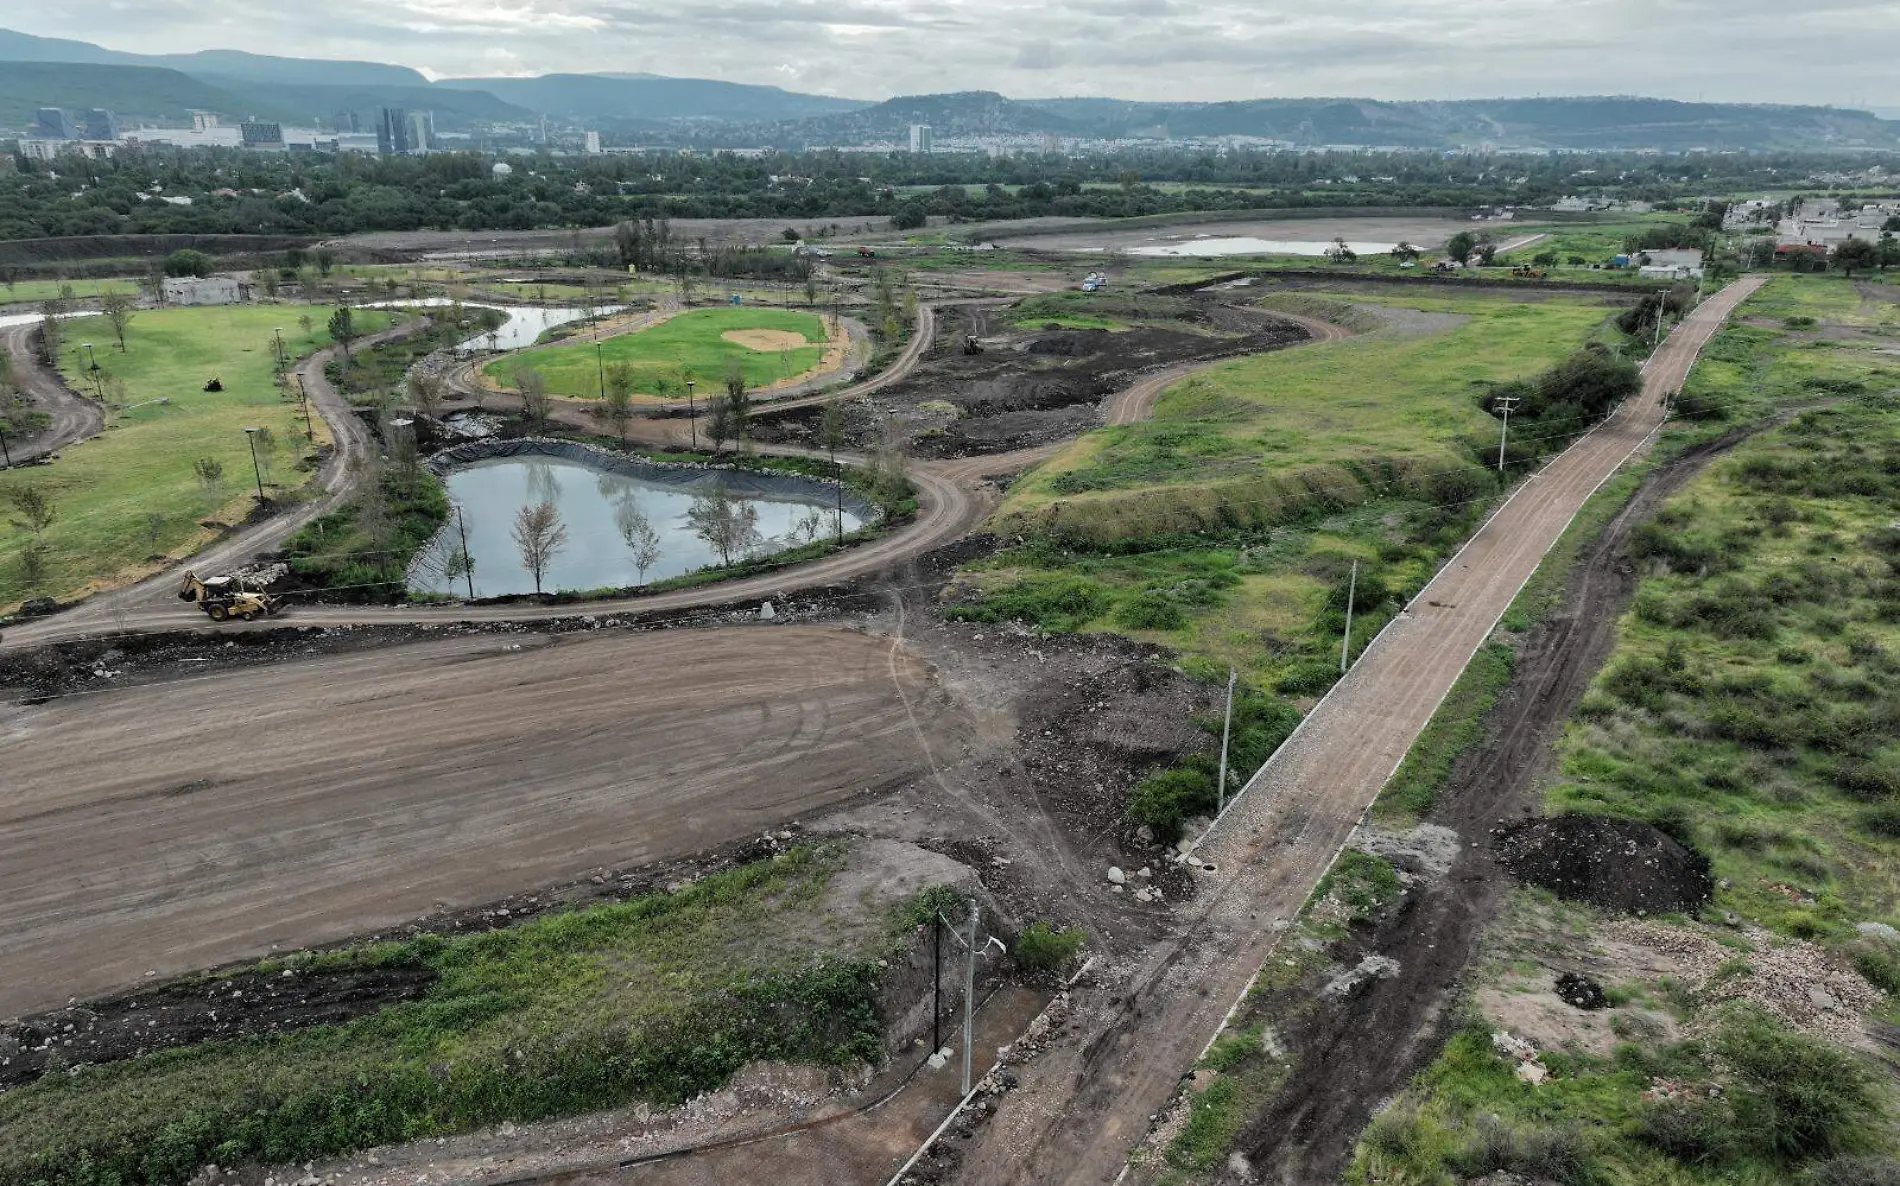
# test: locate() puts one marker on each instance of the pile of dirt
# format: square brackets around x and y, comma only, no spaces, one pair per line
[1622,865]
[189,1012]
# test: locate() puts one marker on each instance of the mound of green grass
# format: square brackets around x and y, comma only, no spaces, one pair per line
[132,493]
[691,345]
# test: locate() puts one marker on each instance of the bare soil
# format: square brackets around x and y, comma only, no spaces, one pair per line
[1624,865]
[1030,388]
[1353,1053]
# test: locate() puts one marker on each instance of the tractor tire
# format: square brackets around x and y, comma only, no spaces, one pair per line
[248,616]
[218,613]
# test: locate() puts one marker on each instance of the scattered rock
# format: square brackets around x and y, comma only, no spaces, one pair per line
[1116,876]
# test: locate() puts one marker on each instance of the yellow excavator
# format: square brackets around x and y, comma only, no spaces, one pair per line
[226,597]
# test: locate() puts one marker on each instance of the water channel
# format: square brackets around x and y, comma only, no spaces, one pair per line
[1241,245]
[525,324]
[594,504]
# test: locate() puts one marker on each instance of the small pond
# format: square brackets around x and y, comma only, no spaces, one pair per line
[1250,246]
[594,503]
[525,324]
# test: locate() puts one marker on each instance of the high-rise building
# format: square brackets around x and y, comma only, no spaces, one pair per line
[203,121]
[392,132]
[262,133]
[920,138]
[99,124]
[592,147]
[51,123]
[346,121]
[421,131]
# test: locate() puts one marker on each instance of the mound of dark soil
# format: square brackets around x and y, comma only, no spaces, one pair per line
[1617,864]
[1581,992]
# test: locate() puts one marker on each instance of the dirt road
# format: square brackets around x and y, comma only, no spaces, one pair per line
[180,825]
[1083,1109]
[74,418]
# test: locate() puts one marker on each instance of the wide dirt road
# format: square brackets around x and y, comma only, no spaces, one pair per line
[1084,1108]
[181,825]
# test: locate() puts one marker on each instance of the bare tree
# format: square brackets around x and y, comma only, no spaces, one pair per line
[617,408]
[116,307]
[729,525]
[52,333]
[539,536]
[35,506]
[738,404]
[831,430]
[536,406]
[637,530]
[266,442]
[809,524]
[425,392]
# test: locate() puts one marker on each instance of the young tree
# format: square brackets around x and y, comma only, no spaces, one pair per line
[210,472]
[719,422]
[738,404]
[1340,253]
[305,324]
[729,525]
[1487,250]
[536,405]
[266,443]
[188,263]
[1461,245]
[35,507]
[52,333]
[1855,253]
[831,430]
[1406,252]
[637,530]
[539,536]
[617,408]
[811,289]
[342,328]
[116,307]
[425,393]
[326,259]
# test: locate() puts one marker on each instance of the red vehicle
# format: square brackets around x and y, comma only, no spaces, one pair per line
[867,253]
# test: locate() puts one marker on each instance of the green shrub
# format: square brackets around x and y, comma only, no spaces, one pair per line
[1151,609]
[1045,949]
[1049,600]
[1796,1098]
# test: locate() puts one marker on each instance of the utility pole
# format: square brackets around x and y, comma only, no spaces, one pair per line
[600,367]
[936,985]
[692,417]
[1226,729]
[250,434]
[1505,404]
[969,997]
[1352,592]
[468,561]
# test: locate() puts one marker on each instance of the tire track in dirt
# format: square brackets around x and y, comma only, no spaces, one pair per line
[73,416]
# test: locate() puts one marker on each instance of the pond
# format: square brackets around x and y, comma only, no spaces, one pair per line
[525,324]
[1251,246]
[594,504]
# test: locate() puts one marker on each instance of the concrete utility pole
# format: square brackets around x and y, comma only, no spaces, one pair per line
[692,417]
[250,434]
[1505,404]
[969,996]
[1226,729]
[1352,592]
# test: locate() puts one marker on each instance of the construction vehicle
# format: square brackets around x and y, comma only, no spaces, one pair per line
[226,597]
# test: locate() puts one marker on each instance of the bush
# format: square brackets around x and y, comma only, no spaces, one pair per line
[1046,949]
[1796,1098]
[1151,609]
[1054,602]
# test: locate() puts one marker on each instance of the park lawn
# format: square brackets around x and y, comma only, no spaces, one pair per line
[664,357]
[1252,440]
[130,494]
[1828,298]
[35,291]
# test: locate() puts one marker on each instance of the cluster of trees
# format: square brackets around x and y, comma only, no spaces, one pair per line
[232,191]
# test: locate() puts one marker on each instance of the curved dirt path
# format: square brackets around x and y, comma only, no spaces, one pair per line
[135,605]
[953,497]
[1083,1107]
[74,417]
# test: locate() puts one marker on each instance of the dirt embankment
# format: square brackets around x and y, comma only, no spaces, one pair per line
[1353,1053]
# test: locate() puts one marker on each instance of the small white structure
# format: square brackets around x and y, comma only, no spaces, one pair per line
[207,290]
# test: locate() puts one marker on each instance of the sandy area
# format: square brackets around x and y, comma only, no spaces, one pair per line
[767,340]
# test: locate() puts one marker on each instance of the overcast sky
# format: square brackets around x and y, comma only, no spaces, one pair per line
[1802,51]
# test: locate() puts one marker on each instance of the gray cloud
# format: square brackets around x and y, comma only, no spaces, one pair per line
[1819,51]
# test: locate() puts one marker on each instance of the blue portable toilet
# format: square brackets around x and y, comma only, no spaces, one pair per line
[737,299]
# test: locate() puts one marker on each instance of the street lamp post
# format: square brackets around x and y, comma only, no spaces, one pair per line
[600,367]
[282,361]
[92,369]
[692,417]
[250,434]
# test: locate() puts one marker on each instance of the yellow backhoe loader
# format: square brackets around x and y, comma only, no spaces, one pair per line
[226,597]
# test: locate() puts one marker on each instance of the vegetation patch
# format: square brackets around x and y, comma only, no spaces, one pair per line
[656,1000]
[138,494]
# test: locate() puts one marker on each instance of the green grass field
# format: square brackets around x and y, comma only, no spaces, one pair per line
[35,291]
[130,494]
[1251,441]
[691,344]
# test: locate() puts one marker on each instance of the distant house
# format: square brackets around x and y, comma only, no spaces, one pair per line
[207,290]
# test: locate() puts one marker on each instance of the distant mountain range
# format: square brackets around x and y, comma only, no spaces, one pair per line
[650,109]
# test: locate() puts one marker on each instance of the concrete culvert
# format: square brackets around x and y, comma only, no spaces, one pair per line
[1623,865]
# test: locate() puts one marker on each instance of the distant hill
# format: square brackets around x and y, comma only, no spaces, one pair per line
[590,97]
[230,63]
[134,92]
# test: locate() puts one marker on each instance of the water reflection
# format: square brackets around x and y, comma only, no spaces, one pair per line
[621,530]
